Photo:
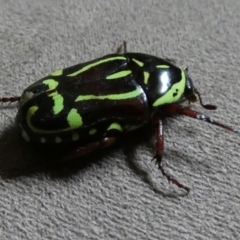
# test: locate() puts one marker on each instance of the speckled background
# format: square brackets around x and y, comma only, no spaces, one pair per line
[121,194]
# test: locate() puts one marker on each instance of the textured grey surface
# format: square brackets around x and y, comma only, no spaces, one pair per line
[114,198]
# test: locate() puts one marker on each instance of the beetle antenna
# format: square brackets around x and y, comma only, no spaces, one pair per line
[207,106]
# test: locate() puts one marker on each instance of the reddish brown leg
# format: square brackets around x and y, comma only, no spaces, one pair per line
[176,109]
[159,152]
[10,99]
[91,147]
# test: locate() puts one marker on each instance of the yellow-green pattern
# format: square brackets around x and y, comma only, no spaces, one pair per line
[119,96]
[57,102]
[174,94]
[146,77]
[94,64]
[115,126]
[162,66]
[118,75]
[141,64]
[74,119]
[57,72]
[51,83]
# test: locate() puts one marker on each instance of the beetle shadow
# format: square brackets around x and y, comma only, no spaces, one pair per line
[19,158]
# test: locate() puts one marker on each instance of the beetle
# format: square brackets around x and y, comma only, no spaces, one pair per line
[96,102]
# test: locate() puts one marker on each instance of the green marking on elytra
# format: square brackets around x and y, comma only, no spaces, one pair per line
[115,126]
[92,131]
[51,83]
[120,96]
[58,140]
[57,72]
[24,134]
[138,62]
[43,140]
[120,74]
[57,98]
[74,119]
[30,113]
[163,66]
[85,68]
[26,97]
[146,77]
[173,94]
[58,102]
[129,128]
[75,136]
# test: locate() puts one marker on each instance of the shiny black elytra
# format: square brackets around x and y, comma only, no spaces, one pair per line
[96,102]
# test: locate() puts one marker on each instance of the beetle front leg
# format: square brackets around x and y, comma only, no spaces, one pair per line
[159,148]
[186,111]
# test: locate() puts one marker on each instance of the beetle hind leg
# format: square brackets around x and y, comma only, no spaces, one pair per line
[91,147]
[9,99]
[122,48]
[159,153]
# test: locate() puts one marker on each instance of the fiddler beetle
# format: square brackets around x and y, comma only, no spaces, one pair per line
[96,102]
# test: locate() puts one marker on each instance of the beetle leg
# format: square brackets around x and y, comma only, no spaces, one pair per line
[159,148]
[10,99]
[177,109]
[91,147]
[122,48]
